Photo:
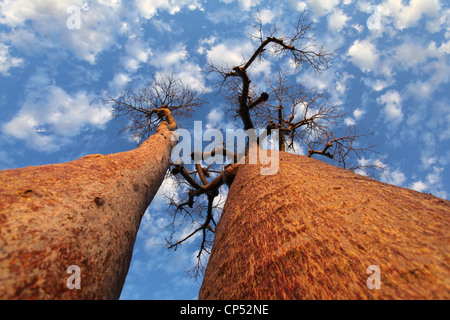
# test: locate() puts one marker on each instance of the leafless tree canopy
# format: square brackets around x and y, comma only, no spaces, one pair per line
[140,109]
[302,116]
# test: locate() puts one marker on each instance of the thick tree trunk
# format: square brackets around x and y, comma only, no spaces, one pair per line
[312,231]
[84,213]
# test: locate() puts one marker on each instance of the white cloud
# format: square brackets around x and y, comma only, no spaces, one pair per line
[136,54]
[439,74]
[419,186]
[15,13]
[119,82]
[408,15]
[266,16]
[358,113]
[359,28]
[44,23]
[299,5]
[164,59]
[396,177]
[191,75]
[28,43]
[233,53]
[329,81]
[432,183]
[230,53]
[349,121]
[176,62]
[392,106]
[205,43]
[149,8]
[337,20]
[440,119]
[427,160]
[322,7]
[216,120]
[341,84]
[6,61]
[420,89]
[363,54]
[215,116]
[110,3]
[443,19]
[50,115]
[245,5]
[162,26]
[320,81]
[410,54]
[445,48]
[373,161]
[377,84]
[387,175]
[434,177]
[39,25]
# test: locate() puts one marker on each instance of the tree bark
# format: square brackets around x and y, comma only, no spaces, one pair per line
[85,213]
[312,230]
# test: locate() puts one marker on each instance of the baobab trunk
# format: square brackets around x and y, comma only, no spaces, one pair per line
[315,231]
[84,213]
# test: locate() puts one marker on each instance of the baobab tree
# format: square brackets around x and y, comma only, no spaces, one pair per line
[82,216]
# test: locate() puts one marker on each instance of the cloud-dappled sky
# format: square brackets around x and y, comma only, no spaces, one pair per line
[390,74]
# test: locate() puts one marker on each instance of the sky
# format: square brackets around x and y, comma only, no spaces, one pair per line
[60,59]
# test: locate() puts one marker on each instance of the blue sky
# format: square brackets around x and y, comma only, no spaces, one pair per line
[390,74]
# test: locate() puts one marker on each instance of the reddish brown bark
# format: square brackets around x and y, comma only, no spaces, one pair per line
[85,212]
[312,230]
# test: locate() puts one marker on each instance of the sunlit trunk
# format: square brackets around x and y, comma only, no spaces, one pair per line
[315,231]
[84,213]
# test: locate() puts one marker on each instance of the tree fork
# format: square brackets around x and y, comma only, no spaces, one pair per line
[312,230]
[85,213]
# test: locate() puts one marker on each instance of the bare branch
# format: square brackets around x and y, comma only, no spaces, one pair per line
[344,149]
[142,110]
